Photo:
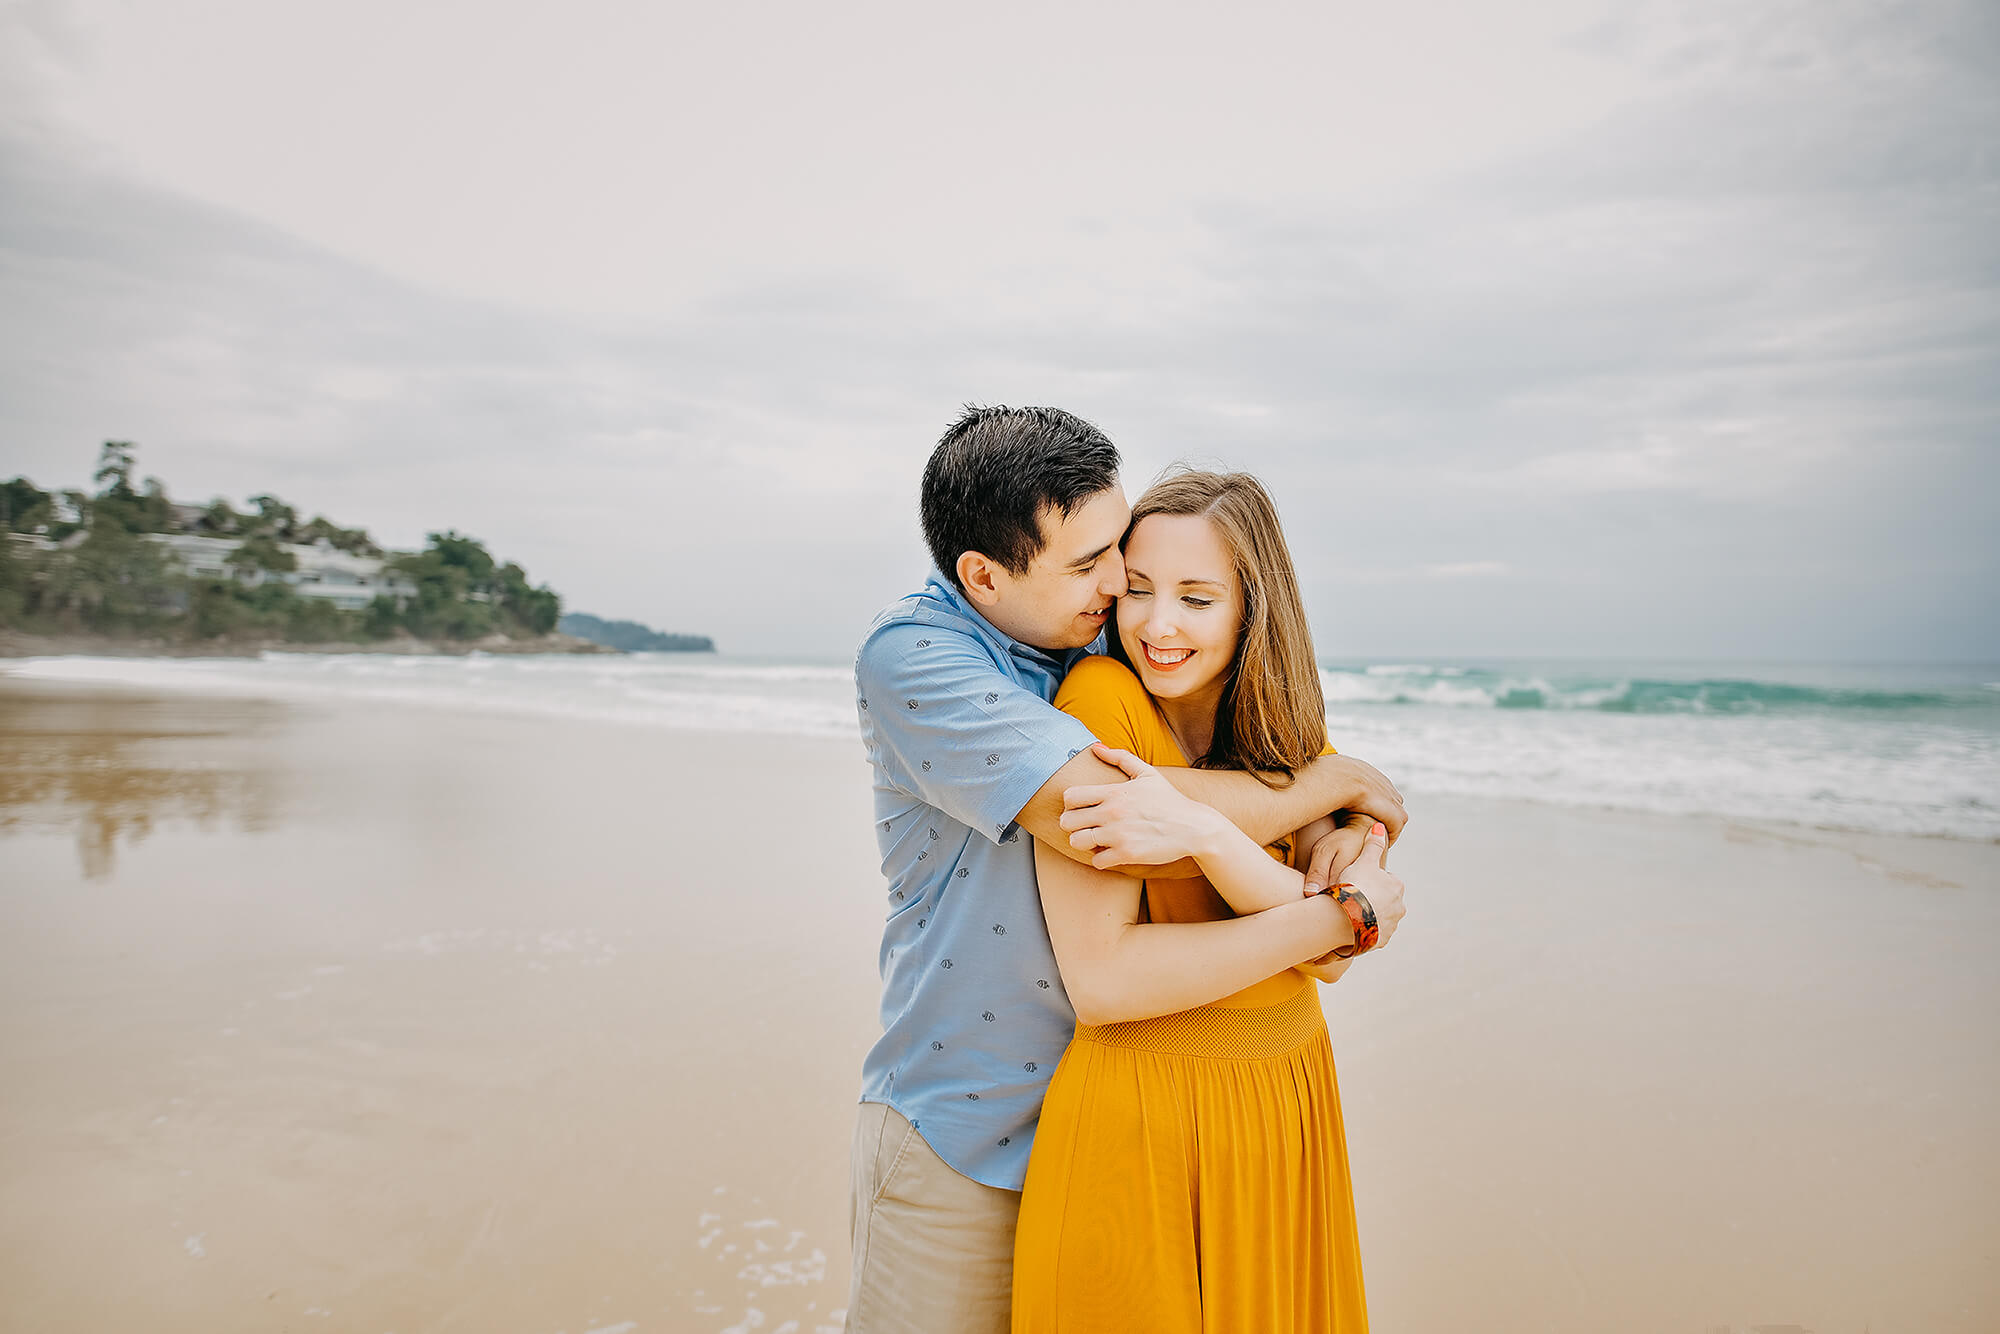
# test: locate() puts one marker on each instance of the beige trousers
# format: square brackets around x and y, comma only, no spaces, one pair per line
[933,1250]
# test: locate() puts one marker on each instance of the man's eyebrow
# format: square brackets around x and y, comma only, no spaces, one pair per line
[1091,559]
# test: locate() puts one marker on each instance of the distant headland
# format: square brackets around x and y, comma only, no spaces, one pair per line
[630,636]
[127,569]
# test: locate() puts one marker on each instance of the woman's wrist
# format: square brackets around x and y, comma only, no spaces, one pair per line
[1336,930]
[1361,917]
[1215,840]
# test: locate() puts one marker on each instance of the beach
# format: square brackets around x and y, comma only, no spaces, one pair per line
[336,1013]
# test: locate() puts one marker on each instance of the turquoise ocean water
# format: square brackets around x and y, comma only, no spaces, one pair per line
[1901,748]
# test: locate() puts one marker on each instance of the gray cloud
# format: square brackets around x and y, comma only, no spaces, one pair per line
[1708,374]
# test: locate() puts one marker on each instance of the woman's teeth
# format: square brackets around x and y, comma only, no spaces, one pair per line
[1167,657]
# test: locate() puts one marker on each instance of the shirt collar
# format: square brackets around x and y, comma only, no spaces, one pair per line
[1059,662]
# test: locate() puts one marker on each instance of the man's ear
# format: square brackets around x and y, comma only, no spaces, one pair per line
[980,577]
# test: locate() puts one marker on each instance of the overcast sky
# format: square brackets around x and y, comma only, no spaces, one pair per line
[1557,329]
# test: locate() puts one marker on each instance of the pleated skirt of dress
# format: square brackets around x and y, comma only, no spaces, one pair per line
[1189,1176]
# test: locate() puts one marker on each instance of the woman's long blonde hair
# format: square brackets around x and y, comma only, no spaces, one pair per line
[1271,720]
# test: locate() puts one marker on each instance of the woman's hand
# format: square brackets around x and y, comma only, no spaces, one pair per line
[1368,874]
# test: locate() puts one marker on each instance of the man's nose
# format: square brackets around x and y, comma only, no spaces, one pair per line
[1115,584]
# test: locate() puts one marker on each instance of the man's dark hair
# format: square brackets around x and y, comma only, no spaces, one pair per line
[996,469]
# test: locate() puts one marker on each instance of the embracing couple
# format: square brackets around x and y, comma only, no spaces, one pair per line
[1104,1097]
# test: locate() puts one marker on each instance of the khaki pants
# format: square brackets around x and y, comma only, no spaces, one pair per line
[933,1250]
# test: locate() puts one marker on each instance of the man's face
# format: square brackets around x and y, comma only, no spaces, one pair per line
[1066,594]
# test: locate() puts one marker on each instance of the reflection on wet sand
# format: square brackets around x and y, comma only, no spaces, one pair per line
[114,766]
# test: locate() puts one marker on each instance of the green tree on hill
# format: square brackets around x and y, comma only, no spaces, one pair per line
[114,468]
[275,517]
[116,502]
[25,507]
[355,541]
[262,552]
[465,553]
[381,618]
[462,594]
[219,520]
[105,575]
[537,609]
[113,580]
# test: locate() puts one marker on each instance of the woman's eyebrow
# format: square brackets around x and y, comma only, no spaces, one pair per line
[1131,573]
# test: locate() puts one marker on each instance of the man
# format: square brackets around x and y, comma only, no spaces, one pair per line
[1023,514]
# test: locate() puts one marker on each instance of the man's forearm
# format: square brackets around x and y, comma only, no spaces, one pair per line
[1267,814]
[1157,968]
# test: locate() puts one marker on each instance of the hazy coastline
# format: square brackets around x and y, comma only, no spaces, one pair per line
[14,644]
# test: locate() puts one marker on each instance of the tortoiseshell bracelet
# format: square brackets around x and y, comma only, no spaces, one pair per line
[1360,912]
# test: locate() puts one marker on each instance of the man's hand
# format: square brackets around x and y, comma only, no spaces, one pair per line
[1373,796]
[1142,821]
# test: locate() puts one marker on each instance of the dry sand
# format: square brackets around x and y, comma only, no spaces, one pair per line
[322,1018]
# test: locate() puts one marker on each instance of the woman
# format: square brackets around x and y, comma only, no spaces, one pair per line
[1190,1170]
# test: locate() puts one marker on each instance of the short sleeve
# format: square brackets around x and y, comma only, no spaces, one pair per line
[1104,695]
[965,736]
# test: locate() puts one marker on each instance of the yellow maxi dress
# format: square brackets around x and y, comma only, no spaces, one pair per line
[1189,1174]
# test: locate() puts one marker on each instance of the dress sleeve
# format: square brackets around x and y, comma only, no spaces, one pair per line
[1103,695]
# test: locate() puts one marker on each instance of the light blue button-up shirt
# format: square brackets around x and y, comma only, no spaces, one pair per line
[960,731]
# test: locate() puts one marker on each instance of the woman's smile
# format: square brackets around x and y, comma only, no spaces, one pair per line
[1165,659]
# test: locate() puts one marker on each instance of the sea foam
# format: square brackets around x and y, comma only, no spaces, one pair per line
[1911,750]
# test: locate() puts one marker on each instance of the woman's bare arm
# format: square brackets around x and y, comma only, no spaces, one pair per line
[1116,968]
[1326,968]
[1249,879]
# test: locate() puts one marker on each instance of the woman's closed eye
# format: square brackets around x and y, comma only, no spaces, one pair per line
[1199,604]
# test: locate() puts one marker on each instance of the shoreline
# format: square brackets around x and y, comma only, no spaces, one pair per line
[14,644]
[1767,825]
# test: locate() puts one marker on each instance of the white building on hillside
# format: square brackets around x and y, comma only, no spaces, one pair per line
[347,581]
[344,579]
[200,557]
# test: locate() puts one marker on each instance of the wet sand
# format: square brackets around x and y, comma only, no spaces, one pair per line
[350,1018]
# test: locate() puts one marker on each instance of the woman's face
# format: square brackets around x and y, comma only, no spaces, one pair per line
[1180,619]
